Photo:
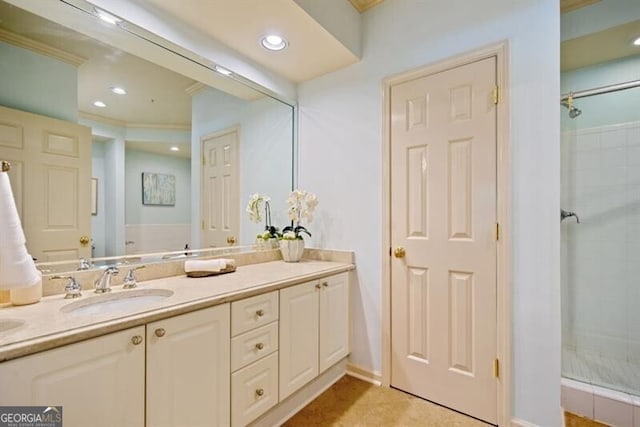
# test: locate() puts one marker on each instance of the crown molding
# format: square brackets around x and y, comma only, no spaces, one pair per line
[102,119]
[195,88]
[158,126]
[569,5]
[41,48]
[364,5]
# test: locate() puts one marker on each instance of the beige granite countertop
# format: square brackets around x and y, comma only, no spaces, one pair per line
[43,325]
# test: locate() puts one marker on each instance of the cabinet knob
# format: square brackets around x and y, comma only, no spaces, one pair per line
[318,286]
[160,332]
[260,313]
[259,346]
[136,339]
[325,284]
[260,392]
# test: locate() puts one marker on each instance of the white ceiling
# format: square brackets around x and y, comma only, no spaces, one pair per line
[312,50]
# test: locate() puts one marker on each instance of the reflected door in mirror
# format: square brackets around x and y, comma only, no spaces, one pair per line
[220,199]
[51,176]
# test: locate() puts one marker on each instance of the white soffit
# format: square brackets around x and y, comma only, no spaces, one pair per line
[312,50]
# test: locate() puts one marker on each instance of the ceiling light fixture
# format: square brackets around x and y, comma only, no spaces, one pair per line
[636,42]
[118,90]
[273,42]
[100,104]
[106,17]
[174,148]
[222,70]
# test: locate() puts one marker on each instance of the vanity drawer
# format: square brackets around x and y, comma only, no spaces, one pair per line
[253,345]
[254,390]
[250,313]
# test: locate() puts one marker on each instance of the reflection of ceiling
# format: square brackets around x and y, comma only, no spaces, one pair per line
[569,5]
[155,94]
[364,5]
[160,148]
[612,43]
[312,50]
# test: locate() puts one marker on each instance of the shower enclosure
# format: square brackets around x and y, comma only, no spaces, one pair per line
[600,154]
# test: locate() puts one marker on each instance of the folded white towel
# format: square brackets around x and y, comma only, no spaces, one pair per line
[17,268]
[207,265]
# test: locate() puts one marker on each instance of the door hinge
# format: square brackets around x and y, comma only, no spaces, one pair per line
[389,251]
[203,161]
[203,224]
[497,231]
[496,368]
[496,95]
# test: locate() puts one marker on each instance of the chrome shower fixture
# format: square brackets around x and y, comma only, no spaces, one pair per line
[568,103]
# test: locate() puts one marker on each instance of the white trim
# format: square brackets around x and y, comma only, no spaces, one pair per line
[41,48]
[516,422]
[503,210]
[364,374]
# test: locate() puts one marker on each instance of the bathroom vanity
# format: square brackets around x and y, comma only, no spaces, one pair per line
[233,349]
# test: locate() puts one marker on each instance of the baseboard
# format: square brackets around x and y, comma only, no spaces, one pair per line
[515,422]
[364,374]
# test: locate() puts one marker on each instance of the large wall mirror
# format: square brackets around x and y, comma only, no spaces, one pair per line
[171,163]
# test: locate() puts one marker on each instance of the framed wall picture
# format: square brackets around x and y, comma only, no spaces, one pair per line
[158,189]
[94,196]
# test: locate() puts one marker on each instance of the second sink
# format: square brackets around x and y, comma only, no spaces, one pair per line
[117,302]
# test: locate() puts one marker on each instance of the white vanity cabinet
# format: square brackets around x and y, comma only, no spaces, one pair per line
[98,382]
[254,357]
[188,361]
[314,330]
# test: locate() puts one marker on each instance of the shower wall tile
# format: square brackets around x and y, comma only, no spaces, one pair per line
[601,263]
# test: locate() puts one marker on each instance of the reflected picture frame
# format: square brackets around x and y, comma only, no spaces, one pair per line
[158,189]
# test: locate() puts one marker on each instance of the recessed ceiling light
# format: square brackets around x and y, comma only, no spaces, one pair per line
[174,148]
[636,42]
[106,17]
[273,42]
[118,90]
[100,104]
[222,70]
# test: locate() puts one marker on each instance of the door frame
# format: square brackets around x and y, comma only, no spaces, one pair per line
[235,128]
[503,268]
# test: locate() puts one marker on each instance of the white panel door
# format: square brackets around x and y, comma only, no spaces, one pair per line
[334,320]
[443,210]
[98,382]
[298,336]
[188,369]
[220,188]
[50,179]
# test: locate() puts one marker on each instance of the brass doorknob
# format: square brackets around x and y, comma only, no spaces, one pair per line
[231,240]
[399,252]
[84,240]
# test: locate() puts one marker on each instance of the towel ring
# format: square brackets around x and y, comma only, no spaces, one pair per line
[6,166]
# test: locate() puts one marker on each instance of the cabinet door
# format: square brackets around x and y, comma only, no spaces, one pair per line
[98,382]
[298,336]
[188,369]
[334,320]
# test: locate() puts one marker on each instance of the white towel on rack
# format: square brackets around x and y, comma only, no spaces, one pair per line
[212,265]
[17,269]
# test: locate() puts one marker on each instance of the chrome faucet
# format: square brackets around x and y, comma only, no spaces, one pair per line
[72,289]
[130,281]
[103,284]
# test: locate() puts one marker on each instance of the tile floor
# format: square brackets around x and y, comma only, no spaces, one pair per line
[352,402]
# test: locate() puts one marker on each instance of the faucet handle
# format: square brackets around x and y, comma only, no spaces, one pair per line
[72,289]
[130,281]
[84,264]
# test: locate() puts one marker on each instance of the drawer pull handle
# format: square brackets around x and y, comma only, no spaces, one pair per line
[325,284]
[136,339]
[259,346]
[260,313]
[160,332]
[260,392]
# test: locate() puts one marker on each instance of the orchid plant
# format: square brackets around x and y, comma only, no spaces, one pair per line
[301,205]
[254,209]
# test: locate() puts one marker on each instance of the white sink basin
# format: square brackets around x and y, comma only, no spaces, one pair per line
[117,303]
